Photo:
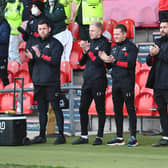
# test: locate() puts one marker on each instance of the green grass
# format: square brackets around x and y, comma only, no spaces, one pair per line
[85,156]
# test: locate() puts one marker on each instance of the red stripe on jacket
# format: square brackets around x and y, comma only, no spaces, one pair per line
[92,56]
[46,57]
[122,64]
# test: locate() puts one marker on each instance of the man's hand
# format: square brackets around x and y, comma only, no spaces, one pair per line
[84,45]
[107,59]
[37,51]
[28,54]
[154,50]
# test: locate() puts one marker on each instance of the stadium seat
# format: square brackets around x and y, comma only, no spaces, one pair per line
[145,67]
[76,55]
[24,67]
[130,24]
[144,13]
[109,109]
[108,27]
[22,55]
[13,67]
[141,77]
[74,28]
[138,67]
[6,102]
[65,72]
[25,75]
[92,109]
[144,103]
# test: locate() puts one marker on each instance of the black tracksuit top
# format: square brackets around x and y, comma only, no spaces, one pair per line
[95,68]
[46,69]
[123,70]
[160,63]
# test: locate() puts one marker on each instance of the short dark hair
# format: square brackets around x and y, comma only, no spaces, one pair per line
[121,27]
[44,21]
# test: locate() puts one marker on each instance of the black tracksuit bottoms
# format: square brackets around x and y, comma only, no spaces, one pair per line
[161,99]
[119,96]
[93,91]
[44,95]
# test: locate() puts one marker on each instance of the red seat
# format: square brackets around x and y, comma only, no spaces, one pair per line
[65,72]
[130,24]
[74,28]
[13,67]
[141,77]
[22,47]
[138,66]
[109,108]
[92,109]
[6,102]
[24,67]
[144,102]
[108,27]
[76,55]
[25,75]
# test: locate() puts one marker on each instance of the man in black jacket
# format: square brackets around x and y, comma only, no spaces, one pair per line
[46,54]
[4,45]
[158,80]
[95,82]
[123,58]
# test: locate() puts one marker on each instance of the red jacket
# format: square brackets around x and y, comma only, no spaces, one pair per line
[163,5]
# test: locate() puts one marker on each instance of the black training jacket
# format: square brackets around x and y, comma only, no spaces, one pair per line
[95,67]
[46,69]
[123,70]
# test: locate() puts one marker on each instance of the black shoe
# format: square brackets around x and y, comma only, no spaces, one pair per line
[80,141]
[116,141]
[60,140]
[39,139]
[98,141]
[162,142]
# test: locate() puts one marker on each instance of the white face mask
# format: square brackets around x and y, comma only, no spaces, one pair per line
[34,11]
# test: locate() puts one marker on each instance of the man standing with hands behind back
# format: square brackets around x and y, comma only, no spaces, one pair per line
[46,54]
[158,80]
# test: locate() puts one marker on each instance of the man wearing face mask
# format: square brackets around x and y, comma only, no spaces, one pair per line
[31,30]
[4,44]
[157,80]
[55,12]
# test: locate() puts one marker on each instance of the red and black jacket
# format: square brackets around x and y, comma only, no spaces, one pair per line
[95,67]
[46,69]
[123,70]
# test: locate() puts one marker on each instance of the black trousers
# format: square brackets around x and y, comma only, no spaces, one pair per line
[119,96]
[4,72]
[96,92]
[161,99]
[44,95]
